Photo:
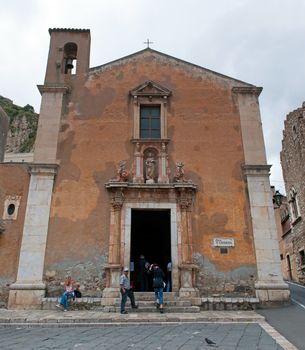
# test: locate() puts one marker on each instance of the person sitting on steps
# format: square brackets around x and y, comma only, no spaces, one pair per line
[68,293]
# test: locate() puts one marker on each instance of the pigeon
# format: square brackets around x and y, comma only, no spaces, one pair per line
[209,341]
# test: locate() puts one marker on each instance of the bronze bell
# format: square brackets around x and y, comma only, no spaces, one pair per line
[69,63]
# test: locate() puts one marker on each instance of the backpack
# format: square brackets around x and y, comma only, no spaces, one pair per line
[77,294]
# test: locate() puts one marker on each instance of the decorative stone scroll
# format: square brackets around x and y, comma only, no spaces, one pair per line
[179,175]
[122,172]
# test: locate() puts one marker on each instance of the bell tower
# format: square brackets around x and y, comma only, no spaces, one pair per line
[69,53]
[68,61]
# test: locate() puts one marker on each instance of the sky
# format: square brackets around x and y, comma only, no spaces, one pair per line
[260,42]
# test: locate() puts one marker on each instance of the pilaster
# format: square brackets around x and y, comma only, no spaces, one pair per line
[270,286]
[113,269]
[29,289]
[187,268]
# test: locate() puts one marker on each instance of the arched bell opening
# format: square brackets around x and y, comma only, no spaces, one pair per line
[70,58]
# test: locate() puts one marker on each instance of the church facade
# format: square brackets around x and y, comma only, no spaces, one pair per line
[146,155]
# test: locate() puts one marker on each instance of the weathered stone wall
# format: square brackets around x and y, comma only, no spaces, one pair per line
[204,131]
[14,181]
[293,161]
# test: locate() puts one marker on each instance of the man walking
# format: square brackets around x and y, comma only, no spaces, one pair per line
[126,291]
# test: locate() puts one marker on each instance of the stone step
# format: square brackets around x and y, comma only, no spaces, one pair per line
[149,309]
[151,296]
[166,302]
[95,303]
[146,301]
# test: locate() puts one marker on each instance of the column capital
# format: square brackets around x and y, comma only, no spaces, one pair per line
[43,169]
[186,196]
[62,88]
[256,169]
[117,200]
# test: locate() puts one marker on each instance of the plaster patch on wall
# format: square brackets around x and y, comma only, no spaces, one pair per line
[77,199]
[239,281]
[89,274]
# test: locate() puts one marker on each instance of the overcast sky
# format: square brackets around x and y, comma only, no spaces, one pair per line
[261,42]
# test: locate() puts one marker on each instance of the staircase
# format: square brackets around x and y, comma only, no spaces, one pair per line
[145,301]
[172,304]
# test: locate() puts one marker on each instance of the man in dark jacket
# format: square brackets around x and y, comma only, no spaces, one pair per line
[143,266]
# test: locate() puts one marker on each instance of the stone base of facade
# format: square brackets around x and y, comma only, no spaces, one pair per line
[26,296]
[110,296]
[272,293]
[189,293]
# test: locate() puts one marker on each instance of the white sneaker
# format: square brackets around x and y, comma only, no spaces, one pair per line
[58,305]
[65,310]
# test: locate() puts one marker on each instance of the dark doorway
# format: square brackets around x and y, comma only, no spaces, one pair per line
[150,236]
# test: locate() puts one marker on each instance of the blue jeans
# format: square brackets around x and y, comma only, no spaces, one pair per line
[64,299]
[159,295]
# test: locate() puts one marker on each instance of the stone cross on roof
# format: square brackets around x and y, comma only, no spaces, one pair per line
[148,42]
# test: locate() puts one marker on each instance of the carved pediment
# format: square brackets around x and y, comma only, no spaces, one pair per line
[150,88]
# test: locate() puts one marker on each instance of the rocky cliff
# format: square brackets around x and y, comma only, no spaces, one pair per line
[23,123]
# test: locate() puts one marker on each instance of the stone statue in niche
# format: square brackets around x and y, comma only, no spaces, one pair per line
[179,175]
[122,172]
[150,165]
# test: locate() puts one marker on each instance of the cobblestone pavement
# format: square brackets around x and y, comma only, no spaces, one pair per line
[187,336]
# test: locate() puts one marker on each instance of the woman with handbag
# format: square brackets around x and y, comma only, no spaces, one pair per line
[158,285]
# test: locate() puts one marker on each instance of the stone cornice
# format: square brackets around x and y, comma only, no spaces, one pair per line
[62,88]
[256,170]
[43,169]
[154,186]
[70,30]
[28,286]
[251,90]
[166,141]
[271,285]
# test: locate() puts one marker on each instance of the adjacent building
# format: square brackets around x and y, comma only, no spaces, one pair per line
[293,162]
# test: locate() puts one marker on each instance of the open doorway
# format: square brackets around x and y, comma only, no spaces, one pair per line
[151,237]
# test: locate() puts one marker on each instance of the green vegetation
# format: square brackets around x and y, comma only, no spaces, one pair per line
[23,123]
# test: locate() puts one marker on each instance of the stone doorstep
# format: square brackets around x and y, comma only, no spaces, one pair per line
[153,309]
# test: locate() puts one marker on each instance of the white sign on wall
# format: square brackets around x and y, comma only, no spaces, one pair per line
[223,242]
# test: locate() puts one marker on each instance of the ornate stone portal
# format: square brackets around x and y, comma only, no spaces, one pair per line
[151,188]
